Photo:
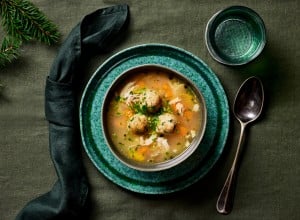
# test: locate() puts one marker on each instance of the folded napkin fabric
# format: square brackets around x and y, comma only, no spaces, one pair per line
[95,33]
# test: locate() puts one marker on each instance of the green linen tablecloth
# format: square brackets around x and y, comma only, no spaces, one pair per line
[268,181]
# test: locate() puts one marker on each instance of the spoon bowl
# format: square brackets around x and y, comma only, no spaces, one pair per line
[249,100]
[247,107]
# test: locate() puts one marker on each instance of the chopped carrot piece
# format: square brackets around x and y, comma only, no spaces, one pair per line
[142,149]
[129,113]
[140,84]
[167,90]
[139,154]
[183,130]
[188,114]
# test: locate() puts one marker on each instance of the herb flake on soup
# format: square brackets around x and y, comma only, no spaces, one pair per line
[153,117]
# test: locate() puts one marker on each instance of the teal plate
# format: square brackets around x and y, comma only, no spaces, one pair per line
[182,175]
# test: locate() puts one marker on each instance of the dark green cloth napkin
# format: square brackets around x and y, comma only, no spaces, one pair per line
[96,32]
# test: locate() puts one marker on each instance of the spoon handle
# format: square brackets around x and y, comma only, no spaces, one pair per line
[225,201]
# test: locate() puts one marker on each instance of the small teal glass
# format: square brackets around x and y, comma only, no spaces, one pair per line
[235,36]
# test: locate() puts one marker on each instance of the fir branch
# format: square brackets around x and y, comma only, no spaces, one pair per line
[9,50]
[23,20]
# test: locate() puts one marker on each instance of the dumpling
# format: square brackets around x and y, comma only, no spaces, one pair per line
[137,123]
[166,123]
[143,100]
[151,100]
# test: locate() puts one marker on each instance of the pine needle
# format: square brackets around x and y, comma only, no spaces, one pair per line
[9,50]
[22,19]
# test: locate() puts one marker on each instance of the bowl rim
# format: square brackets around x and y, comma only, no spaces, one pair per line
[170,162]
[245,10]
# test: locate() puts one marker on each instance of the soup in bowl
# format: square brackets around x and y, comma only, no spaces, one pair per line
[153,118]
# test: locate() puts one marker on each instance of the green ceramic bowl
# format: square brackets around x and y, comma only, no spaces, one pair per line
[235,35]
[146,167]
[199,163]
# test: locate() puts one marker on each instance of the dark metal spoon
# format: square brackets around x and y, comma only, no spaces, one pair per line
[247,107]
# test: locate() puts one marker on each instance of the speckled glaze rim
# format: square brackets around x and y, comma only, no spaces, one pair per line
[246,10]
[182,175]
[179,158]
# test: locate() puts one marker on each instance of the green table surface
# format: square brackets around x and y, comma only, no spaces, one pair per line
[268,182]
